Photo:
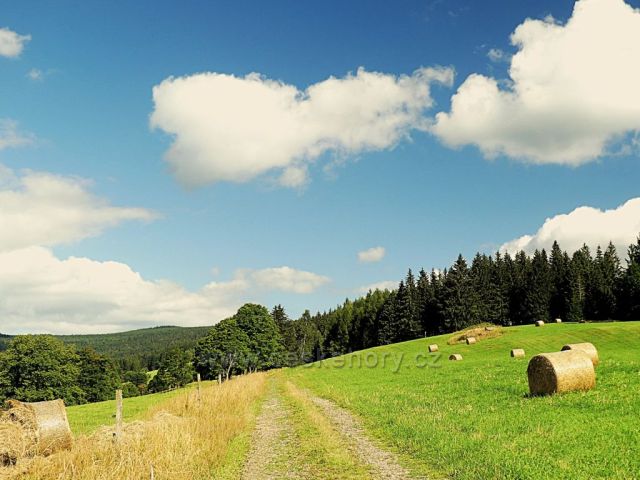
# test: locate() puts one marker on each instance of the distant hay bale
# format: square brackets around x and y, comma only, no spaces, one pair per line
[14,443]
[433,348]
[45,423]
[558,320]
[559,372]
[471,340]
[489,329]
[585,347]
[517,353]
[539,323]
[455,357]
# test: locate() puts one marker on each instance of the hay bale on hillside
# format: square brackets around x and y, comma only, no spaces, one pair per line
[433,348]
[45,424]
[14,443]
[517,353]
[471,340]
[539,323]
[558,320]
[585,347]
[489,329]
[455,357]
[559,372]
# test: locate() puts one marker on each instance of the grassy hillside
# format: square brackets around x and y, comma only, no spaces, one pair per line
[473,419]
[144,346]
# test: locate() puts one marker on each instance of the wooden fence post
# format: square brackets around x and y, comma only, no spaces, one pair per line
[153,475]
[118,414]
[219,379]
[198,377]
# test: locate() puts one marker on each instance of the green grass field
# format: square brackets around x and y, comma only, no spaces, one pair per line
[473,419]
[87,418]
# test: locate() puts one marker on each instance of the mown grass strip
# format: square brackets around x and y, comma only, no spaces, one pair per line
[319,447]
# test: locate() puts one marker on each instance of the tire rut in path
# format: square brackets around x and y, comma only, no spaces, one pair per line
[383,463]
[271,441]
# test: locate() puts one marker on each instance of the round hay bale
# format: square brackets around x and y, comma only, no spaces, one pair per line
[560,372]
[585,347]
[471,340]
[14,443]
[517,353]
[539,323]
[455,357]
[489,329]
[558,320]
[433,348]
[45,423]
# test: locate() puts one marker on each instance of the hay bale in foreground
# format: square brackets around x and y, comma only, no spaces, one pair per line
[433,348]
[471,340]
[455,357]
[539,323]
[14,443]
[517,353]
[585,347]
[558,320]
[45,423]
[559,372]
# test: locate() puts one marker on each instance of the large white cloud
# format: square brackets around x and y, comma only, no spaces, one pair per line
[371,255]
[12,43]
[39,208]
[573,90]
[42,293]
[585,225]
[228,128]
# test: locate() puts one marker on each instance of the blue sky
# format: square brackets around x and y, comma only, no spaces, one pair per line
[425,195]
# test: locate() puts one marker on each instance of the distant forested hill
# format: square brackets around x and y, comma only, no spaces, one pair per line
[137,348]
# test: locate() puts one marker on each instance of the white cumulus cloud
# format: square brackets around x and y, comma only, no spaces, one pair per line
[39,208]
[573,90]
[12,43]
[42,293]
[228,128]
[287,279]
[371,255]
[584,225]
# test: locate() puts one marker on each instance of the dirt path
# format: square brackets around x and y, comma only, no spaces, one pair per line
[383,463]
[300,436]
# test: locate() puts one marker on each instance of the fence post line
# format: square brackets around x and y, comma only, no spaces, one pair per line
[118,414]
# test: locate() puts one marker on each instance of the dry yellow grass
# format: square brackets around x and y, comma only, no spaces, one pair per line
[482,331]
[182,438]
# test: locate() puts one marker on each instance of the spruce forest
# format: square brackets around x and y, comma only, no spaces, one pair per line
[501,289]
